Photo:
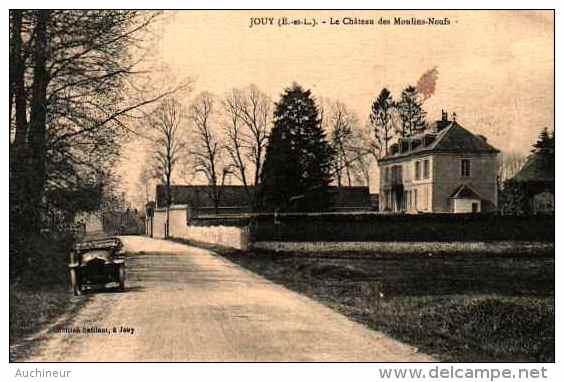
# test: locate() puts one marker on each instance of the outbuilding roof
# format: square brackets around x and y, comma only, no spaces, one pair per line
[201,196]
[538,168]
[464,191]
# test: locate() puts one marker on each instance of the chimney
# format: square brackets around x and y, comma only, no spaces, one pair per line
[442,123]
[444,116]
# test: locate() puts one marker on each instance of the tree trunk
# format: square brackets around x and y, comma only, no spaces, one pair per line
[215,191]
[258,165]
[242,170]
[346,164]
[19,200]
[168,200]
[38,119]
[18,84]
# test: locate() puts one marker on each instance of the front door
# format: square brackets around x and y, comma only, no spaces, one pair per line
[475,208]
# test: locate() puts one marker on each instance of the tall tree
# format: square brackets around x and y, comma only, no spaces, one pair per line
[298,165]
[72,75]
[380,121]
[508,166]
[20,207]
[411,113]
[17,78]
[247,124]
[167,122]
[545,143]
[38,117]
[206,149]
[367,151]
[145,183]
[345,138]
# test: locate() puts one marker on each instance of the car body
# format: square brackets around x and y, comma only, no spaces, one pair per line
[97,262]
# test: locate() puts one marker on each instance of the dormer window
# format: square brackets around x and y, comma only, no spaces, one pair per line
[404,146]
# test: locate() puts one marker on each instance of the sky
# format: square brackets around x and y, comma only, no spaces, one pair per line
[495,68]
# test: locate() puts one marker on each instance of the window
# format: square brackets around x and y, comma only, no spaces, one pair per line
[465,167]
[387,175]
[415,198]
[417,170]
[396,174]
[426,169]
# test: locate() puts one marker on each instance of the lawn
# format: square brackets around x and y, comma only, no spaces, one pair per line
[31,309]
[455,307]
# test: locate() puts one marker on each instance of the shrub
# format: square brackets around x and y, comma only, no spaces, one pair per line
[40,260]
[424,227]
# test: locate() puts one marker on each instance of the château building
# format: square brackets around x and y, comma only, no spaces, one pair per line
[447,168]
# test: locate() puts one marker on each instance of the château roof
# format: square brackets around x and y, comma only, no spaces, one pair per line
[446,137]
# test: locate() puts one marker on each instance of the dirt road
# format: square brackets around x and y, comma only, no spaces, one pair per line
[186,304]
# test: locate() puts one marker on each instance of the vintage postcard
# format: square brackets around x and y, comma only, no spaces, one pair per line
[282,186]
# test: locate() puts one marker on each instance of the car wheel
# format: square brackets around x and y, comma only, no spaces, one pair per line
[75,282]
[121,272]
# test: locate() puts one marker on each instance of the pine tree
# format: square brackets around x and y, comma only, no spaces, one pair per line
[380,120]
[297,168]
[411,113]
[545,142]
[544,150]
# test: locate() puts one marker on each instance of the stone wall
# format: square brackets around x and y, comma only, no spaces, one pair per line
[424,233]
[234,237]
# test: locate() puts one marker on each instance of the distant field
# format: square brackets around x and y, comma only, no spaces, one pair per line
[456,307]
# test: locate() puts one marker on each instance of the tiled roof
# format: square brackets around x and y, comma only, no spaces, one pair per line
[465,192]
[235,196]
[201,196]
[453,138]
[457,139]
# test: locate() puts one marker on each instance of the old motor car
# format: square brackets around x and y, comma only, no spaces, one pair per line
[97,262]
